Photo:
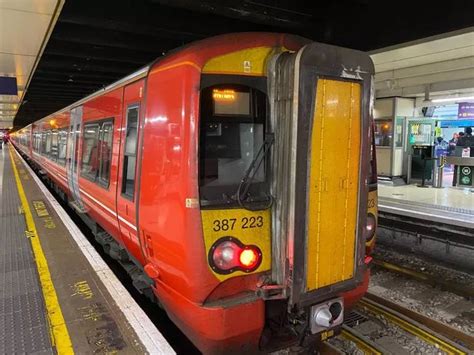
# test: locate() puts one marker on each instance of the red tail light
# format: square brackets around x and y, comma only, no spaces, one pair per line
[228,255]
[249,257]
[370,227]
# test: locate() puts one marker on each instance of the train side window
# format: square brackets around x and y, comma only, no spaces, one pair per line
[37,142]
[90,151]
[62,143]
[54,145]
[130,152]
[105,152]
[47,149]
[43,142]
[76,152]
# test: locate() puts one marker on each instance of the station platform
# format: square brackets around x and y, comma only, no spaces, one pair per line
[448,205]
[57,295]
[435,222]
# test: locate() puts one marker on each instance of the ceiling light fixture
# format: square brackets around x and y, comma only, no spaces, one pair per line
[454,99]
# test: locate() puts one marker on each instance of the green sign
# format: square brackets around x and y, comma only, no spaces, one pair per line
[465,177]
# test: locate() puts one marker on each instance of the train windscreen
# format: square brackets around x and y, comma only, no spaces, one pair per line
[232,133]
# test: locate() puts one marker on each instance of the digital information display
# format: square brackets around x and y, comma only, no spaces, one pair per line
[231,102]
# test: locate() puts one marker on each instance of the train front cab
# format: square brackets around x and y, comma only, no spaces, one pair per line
[280,210]
[282,188]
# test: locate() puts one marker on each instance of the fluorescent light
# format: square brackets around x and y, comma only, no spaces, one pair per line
[454,99]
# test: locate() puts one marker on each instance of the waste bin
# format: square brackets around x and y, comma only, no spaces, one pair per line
[421,162]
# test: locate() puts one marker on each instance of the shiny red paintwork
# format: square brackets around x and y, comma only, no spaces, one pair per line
[171,241]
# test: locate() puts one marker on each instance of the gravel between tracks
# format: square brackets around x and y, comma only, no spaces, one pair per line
[433,302]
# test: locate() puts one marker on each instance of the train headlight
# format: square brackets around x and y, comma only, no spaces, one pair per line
[370,227]
[228,254]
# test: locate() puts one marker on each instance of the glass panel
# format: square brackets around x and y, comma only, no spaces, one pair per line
[128,181]
[90,151]
[232,138]
[105,145]
[129,159]
[231,102]
[229,151]
[399,132]
[131,138]
[420,133]
[383,133]
[47,150]
[62,146]
[76,153]
[43,143]
[54,145]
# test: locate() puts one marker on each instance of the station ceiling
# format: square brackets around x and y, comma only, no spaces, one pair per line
[97,42]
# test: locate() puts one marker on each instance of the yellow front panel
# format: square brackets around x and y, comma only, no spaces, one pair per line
[250,61]
[333,184]
[250,227]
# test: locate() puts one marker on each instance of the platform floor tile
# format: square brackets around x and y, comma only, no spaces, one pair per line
[23,325]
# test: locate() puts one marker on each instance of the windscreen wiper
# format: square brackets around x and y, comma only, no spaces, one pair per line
[245,182]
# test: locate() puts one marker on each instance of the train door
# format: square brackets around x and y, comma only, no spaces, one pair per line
[73,155]
[320,100]
[127,179]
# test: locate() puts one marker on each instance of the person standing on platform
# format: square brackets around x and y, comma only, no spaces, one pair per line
[467,140]
[438,130]
[452,144]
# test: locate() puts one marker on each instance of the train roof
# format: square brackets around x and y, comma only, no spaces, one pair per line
[227,42]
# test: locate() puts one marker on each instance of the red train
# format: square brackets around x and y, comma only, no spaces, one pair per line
[233,179]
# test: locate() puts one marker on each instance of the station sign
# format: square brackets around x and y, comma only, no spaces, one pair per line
[8,86]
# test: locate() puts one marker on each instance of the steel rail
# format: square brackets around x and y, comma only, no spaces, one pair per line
[461,290]
[410,325]
[326,348]
[364,344]
[441,328]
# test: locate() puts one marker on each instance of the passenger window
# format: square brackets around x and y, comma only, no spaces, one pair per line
[54,145]
[130,153]
[43,143]
[76,152]
[62,144]
[90,151]
[37,142]
[105,149]
[47,150]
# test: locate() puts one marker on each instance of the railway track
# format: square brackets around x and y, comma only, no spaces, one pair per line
[374,311]
[466,291]
[362,342]
[443,337]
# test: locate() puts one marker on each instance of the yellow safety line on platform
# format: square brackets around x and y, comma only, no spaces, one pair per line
[58,329]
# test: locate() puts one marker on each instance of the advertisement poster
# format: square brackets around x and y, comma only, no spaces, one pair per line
[466,110]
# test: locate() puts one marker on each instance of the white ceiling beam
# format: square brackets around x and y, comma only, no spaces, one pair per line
[451,85]
[419,70]
[426,79]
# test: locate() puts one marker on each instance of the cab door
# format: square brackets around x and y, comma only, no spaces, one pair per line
[132,111]
[72,152]
[320,113]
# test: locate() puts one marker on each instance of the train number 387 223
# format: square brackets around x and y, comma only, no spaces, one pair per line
[229,224]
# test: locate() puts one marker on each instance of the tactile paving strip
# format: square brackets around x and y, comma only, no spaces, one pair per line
[23,325]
